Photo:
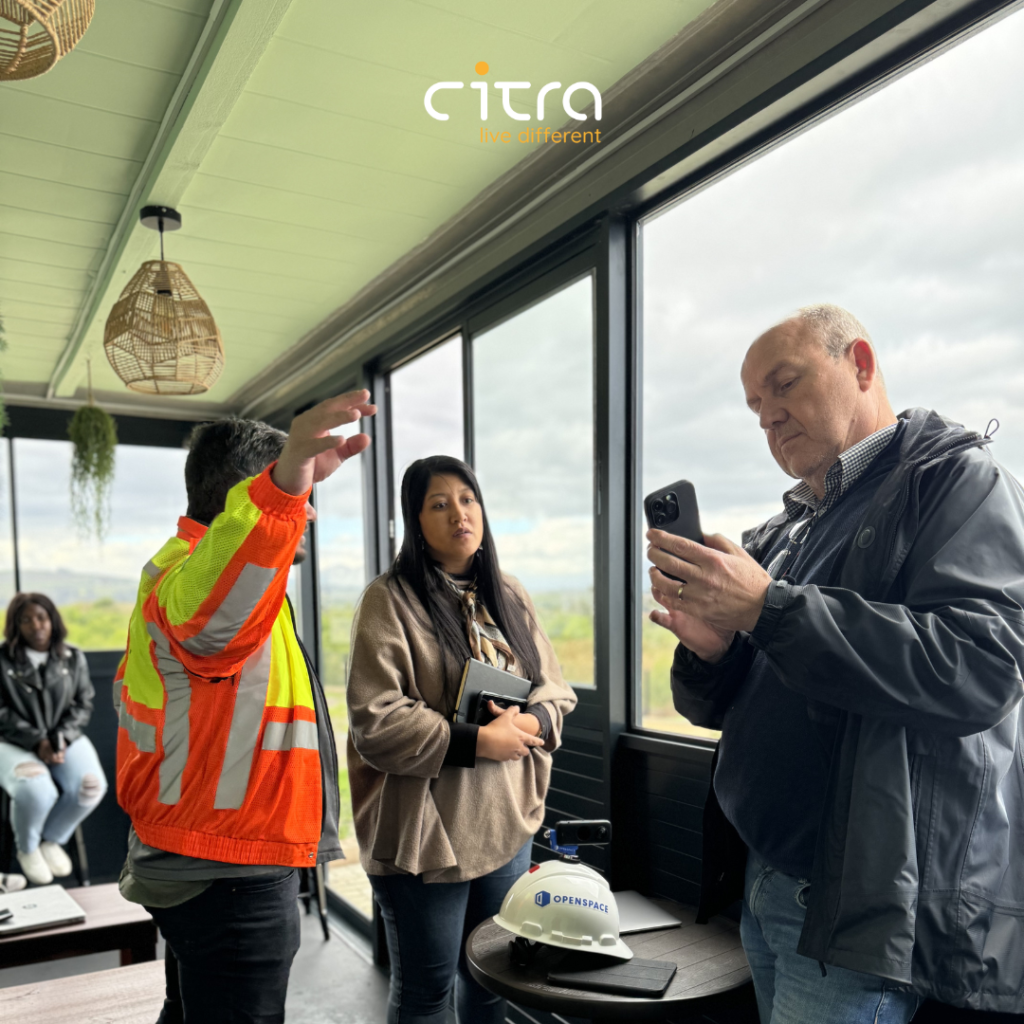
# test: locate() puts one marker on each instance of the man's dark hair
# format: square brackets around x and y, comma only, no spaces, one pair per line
[222,454]
[12,628]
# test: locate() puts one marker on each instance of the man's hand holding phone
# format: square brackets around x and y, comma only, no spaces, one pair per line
[721,589]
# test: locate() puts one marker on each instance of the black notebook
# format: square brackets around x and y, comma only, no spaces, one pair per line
[482,682]
[635,977]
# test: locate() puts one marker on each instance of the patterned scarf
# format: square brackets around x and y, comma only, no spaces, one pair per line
[486,642]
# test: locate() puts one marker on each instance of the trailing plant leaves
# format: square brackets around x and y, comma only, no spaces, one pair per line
[93,433]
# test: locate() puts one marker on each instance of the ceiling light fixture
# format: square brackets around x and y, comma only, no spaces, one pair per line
[43,32]
[160,336]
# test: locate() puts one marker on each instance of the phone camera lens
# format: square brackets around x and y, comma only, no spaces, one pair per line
[659,519]
[657,506]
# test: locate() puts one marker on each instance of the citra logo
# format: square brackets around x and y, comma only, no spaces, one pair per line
[506,89]
[542,899]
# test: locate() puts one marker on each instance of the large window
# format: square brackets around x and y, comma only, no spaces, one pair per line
[341,564]
[94,583]
[906,209]
[533,417]
[426,415]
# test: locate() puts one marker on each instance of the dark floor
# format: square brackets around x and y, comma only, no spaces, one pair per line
[332,982]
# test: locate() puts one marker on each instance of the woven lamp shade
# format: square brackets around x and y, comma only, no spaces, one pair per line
[35,34]
[160,337]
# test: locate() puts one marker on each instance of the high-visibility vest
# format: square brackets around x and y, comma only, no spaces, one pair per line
[217,753]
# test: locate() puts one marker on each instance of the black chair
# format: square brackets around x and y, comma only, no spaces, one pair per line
[8,863]
[311,885]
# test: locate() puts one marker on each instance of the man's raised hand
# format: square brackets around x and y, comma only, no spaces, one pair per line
[312,453]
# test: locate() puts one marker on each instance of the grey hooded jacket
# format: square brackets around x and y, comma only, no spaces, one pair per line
[915,651]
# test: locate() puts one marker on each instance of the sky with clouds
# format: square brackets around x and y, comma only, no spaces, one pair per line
[907,208]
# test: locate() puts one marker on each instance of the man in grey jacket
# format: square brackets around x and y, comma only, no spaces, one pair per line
[862,655]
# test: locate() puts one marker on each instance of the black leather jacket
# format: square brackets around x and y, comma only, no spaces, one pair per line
[915,651]
[35,706]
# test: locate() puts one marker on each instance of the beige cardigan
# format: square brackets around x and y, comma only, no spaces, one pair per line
[411,814]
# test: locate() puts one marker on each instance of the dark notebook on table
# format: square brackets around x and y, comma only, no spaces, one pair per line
[482,682]
[635,977]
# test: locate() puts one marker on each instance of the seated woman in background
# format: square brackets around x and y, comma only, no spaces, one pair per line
[48,768]
[445,812]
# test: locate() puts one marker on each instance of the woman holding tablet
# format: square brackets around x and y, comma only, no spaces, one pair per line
[445,811]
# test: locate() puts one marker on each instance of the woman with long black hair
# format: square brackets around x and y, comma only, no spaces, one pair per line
[49,768]
[445,811]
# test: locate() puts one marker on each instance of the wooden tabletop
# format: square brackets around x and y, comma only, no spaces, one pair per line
[111,922]
[124,995]
[709,958]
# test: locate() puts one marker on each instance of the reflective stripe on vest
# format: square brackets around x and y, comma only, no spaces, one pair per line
[245,727]
[142,734]
[290,735]
[245,593]
[175,731]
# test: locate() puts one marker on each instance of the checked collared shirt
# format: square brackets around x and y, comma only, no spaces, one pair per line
[804,506]
[842,475]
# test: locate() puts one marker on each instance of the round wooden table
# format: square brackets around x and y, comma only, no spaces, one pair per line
[709,960]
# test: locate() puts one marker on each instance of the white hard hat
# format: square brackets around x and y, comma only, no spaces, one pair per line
[567,905]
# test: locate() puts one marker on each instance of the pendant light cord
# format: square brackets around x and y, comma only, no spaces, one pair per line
[161,223]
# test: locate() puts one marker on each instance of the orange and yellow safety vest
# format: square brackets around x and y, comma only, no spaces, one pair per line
[217,753]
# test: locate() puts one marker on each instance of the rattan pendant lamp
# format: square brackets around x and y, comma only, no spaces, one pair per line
[35,34]
[160,337]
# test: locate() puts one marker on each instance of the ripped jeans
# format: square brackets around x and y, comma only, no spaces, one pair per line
[50,801]
[791,988]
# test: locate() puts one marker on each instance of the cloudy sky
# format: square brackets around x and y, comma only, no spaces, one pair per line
[147,497]
[908,209]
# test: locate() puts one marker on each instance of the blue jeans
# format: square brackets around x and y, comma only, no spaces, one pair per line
[427,926]
[50,801]
[790,988]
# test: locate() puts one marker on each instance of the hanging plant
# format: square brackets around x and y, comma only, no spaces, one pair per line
[93,433]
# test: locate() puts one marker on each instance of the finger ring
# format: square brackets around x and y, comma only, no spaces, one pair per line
[679,592]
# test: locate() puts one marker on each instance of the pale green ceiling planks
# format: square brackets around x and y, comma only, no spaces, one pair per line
[71,145]
[307,166]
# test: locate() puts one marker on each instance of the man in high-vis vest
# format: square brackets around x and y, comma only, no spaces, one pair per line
[225,756]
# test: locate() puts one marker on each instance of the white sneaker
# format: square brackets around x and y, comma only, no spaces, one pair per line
[12,883]
[36,870]
[57,860]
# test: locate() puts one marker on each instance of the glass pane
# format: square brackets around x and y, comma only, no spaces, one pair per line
[533,414]
[905,209]
[94,584]
[7,587]
[341,563]
[426,414]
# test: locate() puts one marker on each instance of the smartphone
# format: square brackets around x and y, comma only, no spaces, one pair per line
[674,510]
[483,712]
